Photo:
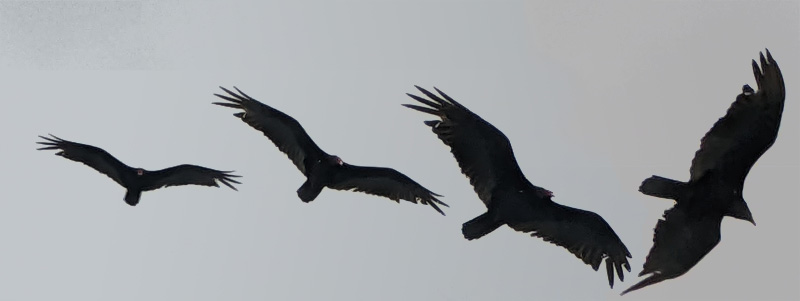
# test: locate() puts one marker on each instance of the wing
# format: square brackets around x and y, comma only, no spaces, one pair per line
[283,130]
[585,234]
[187,175]
[385,182]
[680,241]
[747,130]
[94,157]
[483,153]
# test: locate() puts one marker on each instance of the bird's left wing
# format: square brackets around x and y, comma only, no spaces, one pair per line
[385,182]
[188,175]
[680,241]
[584,233]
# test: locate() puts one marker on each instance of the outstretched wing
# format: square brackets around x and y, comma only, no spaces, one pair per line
[283,130]
[385,182]
[483,153]
[92,156]
[585,234]
[187,175]
[680,241]
[747,130]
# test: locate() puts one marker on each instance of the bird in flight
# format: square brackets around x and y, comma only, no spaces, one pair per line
[321,169]
[485,156]
[136,180]
[691,228]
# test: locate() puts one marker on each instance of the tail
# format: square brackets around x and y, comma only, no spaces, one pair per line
[479,226]
[663,188]
[308,192]
[132,197]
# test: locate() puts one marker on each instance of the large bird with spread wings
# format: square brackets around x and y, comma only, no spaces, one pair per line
[486,158]
[321,169]
[691,228]
[136,180]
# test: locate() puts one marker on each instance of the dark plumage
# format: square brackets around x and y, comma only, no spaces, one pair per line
[691,228]
[486,158]
[323,170]
[136,180]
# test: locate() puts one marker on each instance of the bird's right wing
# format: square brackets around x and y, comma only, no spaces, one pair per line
[188,174]
[483,153]
[92,156]
[747,130]
[283,130]
[680,241]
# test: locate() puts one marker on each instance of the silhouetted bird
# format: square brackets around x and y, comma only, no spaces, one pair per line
[486,158]
[136,180]
[323,170]
[691,228]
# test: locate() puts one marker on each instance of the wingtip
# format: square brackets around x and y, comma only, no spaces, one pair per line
[226,90]
[52,140]
[645,282]
[450,99]
[240,92]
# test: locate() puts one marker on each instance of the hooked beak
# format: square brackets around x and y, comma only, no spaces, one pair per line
[739,210]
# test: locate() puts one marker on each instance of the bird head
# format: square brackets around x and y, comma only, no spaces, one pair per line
[336,160]
[544,192]
[139,171]
[748,94]
[747,90]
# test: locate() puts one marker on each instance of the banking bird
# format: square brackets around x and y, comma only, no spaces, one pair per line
[691,228]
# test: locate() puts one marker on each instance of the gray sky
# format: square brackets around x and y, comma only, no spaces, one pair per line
[594,98]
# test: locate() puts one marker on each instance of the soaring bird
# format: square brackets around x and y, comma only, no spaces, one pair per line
[320,168]
[136,180]
[486,158]
[691,228]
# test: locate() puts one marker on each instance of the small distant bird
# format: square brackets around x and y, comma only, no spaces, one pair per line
[691,228]
[321,169]
[486,158]
[136,180]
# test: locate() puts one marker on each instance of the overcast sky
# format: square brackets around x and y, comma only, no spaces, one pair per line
[594,98]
